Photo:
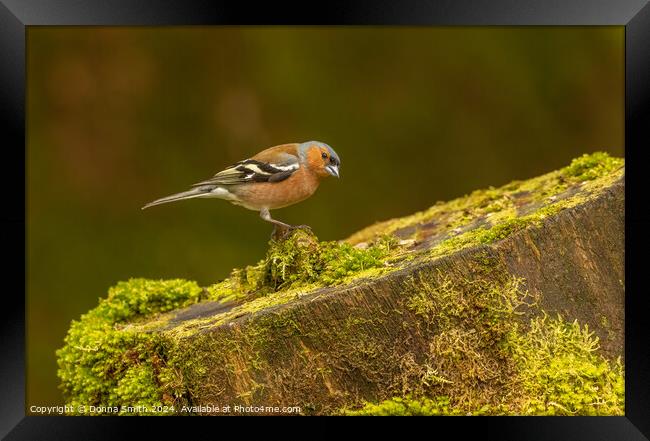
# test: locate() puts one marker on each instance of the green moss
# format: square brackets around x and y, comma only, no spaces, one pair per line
[236,287]
[138,386]
[561,372]
[558,372]
[103,363]
[406,406]
[466,322]
[139,297]
[593,166]
[303,260]
[299,261]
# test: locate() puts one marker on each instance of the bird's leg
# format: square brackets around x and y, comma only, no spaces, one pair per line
[281,229]
[266,215]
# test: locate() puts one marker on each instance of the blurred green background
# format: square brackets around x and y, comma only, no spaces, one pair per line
[118,117]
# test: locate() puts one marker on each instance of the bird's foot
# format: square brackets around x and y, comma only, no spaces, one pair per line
[281,232]
[302,227]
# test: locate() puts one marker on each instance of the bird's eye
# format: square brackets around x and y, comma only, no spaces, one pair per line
[324,155]
[332,160]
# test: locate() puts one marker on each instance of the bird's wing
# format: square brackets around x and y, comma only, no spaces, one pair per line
[284,164]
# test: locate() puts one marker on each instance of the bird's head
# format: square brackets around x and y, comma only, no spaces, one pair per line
[320,158]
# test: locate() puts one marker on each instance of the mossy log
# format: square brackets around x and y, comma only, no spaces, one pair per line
[505,301]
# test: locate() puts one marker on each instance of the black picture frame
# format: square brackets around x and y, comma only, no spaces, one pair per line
[16,15]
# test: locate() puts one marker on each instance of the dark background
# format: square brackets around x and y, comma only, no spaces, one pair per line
[117,117]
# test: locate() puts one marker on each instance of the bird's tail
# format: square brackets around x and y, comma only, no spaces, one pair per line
[194,193]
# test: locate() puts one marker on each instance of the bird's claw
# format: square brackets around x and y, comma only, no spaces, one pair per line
[302,227]
[280,232]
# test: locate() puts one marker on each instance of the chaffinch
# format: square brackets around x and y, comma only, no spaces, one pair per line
[274,178]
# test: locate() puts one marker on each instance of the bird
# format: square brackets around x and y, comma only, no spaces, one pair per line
[274,178]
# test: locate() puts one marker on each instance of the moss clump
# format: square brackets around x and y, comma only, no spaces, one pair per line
[139,297]
[558,372]
[590,167]
[561,372]
[103,363]
[300,260]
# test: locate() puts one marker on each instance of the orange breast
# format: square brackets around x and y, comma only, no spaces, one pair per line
[296,188]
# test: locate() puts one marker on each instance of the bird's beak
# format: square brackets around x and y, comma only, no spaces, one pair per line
[333,170]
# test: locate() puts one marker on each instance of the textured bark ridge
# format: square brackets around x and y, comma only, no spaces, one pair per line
[457,304]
